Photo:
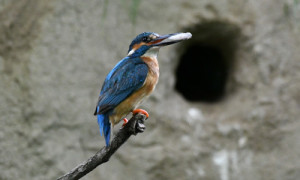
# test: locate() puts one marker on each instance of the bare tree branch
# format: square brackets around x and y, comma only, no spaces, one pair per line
[135,125]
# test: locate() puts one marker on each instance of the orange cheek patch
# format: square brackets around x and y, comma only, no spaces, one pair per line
[157,41]
[137,46]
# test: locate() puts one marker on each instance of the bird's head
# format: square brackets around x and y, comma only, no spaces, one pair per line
[148,43]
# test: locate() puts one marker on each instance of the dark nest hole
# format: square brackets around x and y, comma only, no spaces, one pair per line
[206,61]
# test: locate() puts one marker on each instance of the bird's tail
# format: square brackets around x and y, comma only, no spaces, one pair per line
[104,125]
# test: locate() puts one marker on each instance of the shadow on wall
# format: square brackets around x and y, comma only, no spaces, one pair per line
[206,61]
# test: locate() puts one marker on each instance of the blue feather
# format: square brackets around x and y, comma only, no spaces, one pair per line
[104,126]
[125,78]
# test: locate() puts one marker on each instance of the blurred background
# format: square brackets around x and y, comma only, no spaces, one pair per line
[226,106]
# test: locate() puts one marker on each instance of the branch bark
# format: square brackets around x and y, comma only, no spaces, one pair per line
[135,125]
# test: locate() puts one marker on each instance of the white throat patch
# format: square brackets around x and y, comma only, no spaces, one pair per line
[152,52]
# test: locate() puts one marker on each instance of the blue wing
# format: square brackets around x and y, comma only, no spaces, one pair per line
[125,78]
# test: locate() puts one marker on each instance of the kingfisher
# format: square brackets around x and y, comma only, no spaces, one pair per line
[132,80]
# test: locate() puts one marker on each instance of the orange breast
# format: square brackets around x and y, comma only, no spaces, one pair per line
[153,74]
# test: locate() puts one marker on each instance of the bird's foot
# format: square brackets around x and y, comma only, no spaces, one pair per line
[141,111]
[138,126]
[125,121]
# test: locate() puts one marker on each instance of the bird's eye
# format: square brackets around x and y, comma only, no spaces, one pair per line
[146,39]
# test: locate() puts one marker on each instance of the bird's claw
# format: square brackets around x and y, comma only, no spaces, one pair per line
[125,122]
[141,111]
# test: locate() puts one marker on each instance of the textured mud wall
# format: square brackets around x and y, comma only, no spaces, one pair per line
[54,56]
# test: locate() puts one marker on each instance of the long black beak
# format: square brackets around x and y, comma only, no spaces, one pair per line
[168,39]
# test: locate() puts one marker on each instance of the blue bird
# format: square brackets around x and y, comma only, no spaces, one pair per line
[132,80]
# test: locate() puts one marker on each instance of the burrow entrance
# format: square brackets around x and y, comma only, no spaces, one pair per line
[206,61]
